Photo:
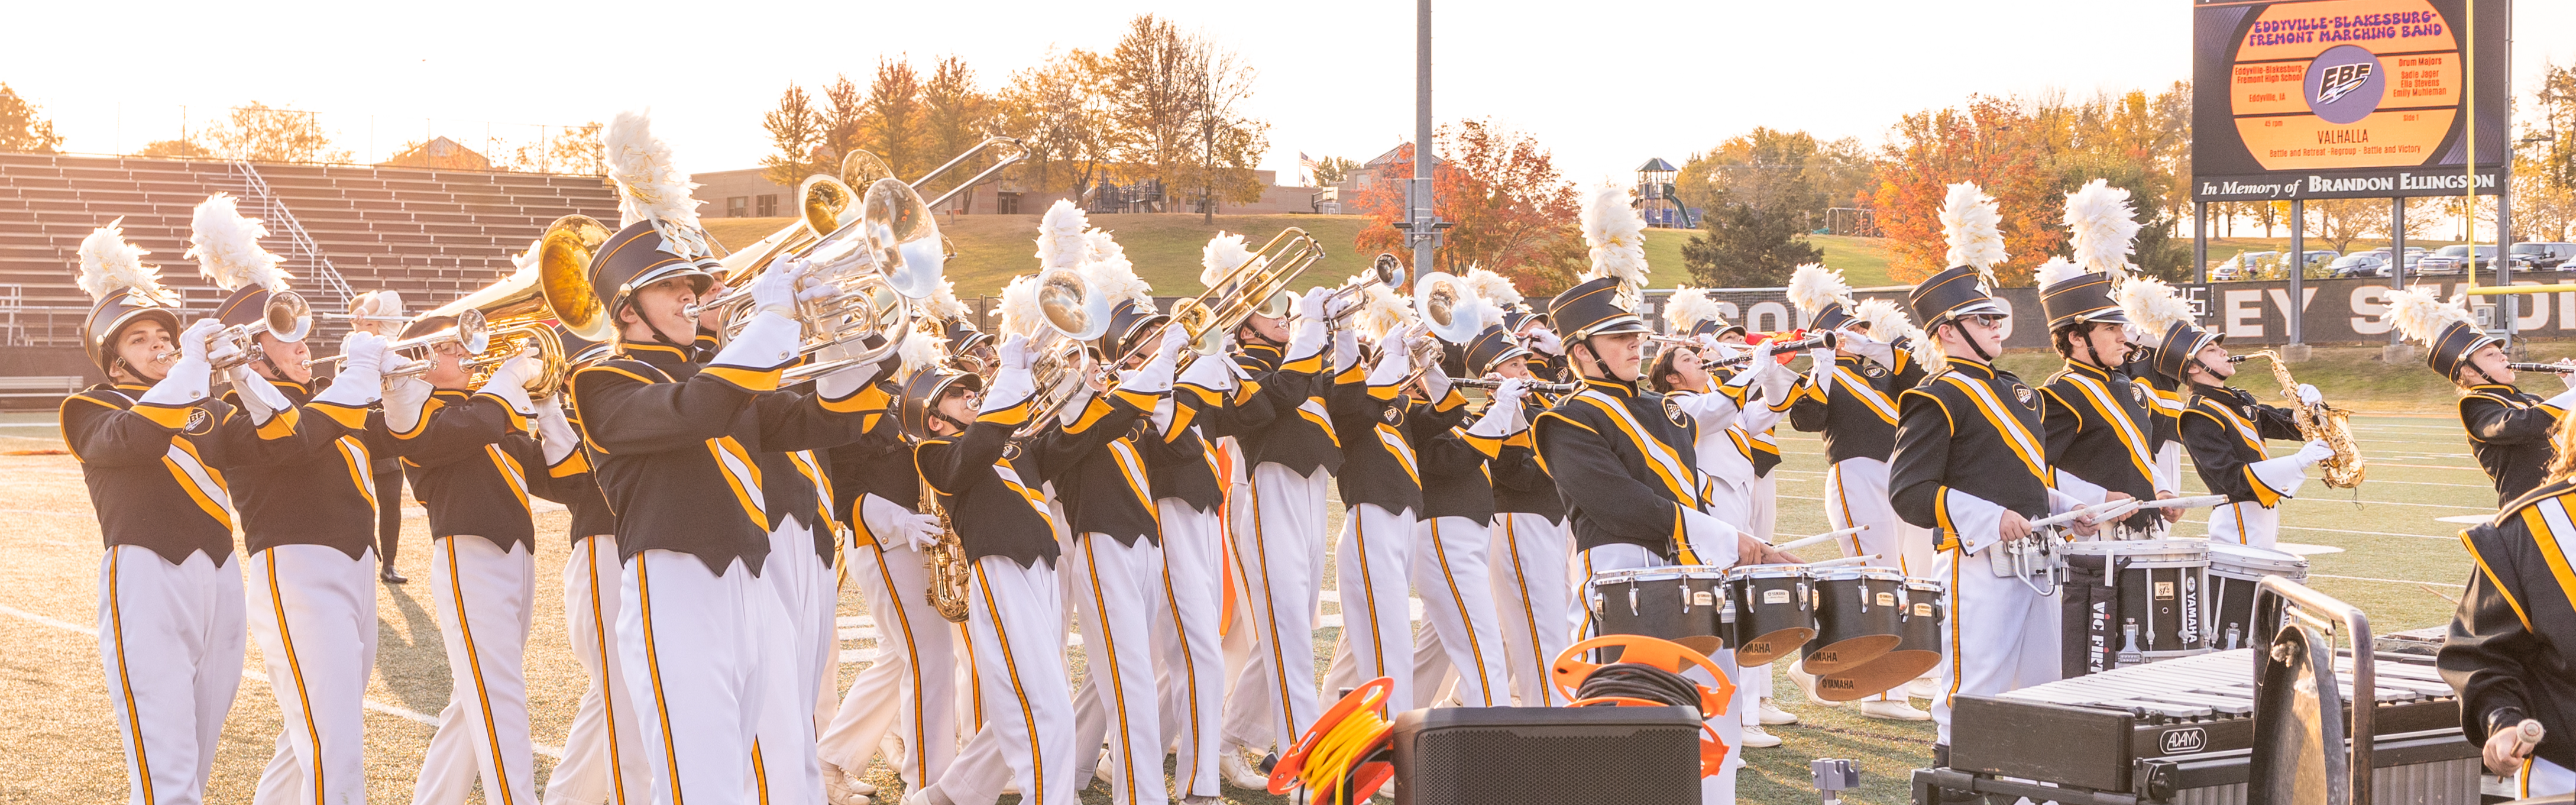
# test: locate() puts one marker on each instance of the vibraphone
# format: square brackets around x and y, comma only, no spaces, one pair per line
[2180,732]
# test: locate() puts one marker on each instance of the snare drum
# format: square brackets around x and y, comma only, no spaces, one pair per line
[1860,615]
[1775,611]
[1681,603]
[2156,586]
[1925,603]
[2234,570]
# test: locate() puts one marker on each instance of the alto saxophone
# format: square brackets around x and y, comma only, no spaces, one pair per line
[2321,422]
[946,562]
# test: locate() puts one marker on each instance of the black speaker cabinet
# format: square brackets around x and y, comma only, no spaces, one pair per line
[1561,755]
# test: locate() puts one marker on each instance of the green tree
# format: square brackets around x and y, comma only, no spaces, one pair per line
[958,115]
[1783,173]
[1229,141]
[1331,171]
[1153,88]
[895,118]
[23,127]
[796,134]
[1742,245]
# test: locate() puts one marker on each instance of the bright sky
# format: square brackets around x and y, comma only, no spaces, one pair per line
[1604,86]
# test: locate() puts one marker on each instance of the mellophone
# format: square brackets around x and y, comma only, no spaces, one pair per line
[1861,630]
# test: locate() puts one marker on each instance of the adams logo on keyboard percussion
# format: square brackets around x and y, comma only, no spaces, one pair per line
[2183,741]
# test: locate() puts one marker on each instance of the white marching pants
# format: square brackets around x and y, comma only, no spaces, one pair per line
[1765,507]
[485,598]
[1452,568]
[2002,636]
[1281,547]
[1373,576]
[1719,789]
[1116,588]
[699,651]
[1189,662]
[170,638]
[1856,494]
[911,684]
[2245,523]
[1534,606]
[1017,620]
[313,611]
[793,671]
[603,762]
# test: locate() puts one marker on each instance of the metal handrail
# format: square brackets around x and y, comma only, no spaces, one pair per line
[274,212]
[2272,599]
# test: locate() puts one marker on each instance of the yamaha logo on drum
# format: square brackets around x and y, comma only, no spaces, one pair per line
[2183,741]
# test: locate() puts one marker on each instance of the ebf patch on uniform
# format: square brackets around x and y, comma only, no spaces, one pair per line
[2025,396]
[1868,369]
[199,422]
[2138,393]
[1394,415]
[1673,411]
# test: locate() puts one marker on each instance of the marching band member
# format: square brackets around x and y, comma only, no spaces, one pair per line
[152,443]
[1726,409]
[380,313]
[2508,427]
[2096,414]
[2148,302]
[308,517]
[1621,460]
[2513,633]
[1381,490]
[668,436]
[475,458]
[909,684]
[603,753]
[1969,463]
[1453,566]
[2223,428]
[1851,397]
[1530,551]
[1280,545]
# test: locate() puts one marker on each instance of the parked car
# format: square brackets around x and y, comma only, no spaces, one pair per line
[2241,266]
[2318,257]
[2365,264]
[2547,255]
[2454,258]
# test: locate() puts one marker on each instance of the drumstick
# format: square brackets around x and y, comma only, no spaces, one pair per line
[1819,539]
[2193,502]
[2530,733]
[1848,560]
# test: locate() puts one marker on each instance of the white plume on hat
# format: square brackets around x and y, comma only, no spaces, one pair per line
[651,187]
[1491,287]
[2152,306]
[1885,318]
[1222,255]
[1973,228]
[1617,236]
[225,245]
[922,349]
[1925,348]
[1020,313]
[943,301]
[110,266]
[2057,270]
[2421,315]
[1381,311]
[1062,238]
[381,304]
[1688,307]
[1813,288]
[2101,226]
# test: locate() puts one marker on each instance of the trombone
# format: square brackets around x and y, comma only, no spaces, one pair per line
[1258,286]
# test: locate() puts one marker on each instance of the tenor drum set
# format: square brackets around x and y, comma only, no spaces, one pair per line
[1865,630]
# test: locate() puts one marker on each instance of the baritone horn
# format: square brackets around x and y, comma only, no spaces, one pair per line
[878,263]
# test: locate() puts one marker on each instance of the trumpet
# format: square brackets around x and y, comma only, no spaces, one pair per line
[2551,368]
[1533,385]
[469,332]
[287,317]
[1385,270]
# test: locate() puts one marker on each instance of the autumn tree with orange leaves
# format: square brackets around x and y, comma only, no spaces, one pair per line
[1993,142]
[1510,209]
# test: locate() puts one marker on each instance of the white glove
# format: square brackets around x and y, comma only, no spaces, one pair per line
[1211,372]
[1718,350]
[774,291]
[1393,363]
[1823,356]
[1878,352]
[404,399]
[1335,305]
[2568,378]
[189,377]
[361,379]
[1776,381]
[1511,392]
[1155,377]
[2314,452]
[2308,395]
[1504,414]
[259,398]
[1310,307]
[554,433]
[917,531]
[1435,379]
[1545,341]
[1346,349]
[223,351]
[1015,353]
[509,382]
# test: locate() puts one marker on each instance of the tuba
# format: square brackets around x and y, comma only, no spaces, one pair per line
[2321,422]
[890,255]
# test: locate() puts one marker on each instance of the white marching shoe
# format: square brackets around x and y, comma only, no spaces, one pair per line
[1893,710]
[1807,684]
[1239,772]
[1758,738]
[1772,716]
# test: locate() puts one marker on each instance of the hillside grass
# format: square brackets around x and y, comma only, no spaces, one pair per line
[1863,260]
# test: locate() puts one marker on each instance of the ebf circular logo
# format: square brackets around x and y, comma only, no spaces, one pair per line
[2344,84]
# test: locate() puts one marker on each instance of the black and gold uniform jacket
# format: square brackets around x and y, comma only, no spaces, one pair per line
[1972,429]
[1623,465]
[1379,426]
[2096,431]
[1184,468]
[2509,434]
[2164,401]
[2512,648]
[1299,434]
[317,487]
[991,484]
[879,463]
[1521,482]
[672,444]
[473,465]
[156,472]
[1857,413]
[2223,430]
[583,502]
[1457,470]
[1107,490]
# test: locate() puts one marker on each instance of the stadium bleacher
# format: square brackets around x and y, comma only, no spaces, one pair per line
[431,234]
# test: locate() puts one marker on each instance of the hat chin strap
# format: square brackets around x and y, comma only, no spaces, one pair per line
[658,335]
[1971,341]
[1598,364]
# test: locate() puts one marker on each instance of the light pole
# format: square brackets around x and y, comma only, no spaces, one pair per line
[1424,224]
